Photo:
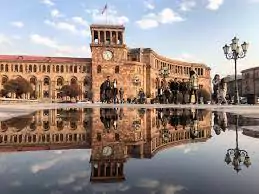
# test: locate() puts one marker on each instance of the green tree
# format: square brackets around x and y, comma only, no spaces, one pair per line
[18,86]
[71,91]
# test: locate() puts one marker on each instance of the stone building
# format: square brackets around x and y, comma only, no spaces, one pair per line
[114,136]
[133,68]
[230,80]
[250,84]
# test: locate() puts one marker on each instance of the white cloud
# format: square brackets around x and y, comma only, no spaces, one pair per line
[55,13]
[65,26]
[111,17]
[4,40]
[149,5]
[187,5]
[80,21]
[43,166]
[152,20]
[48,2]
[189,58]
[214,4]
[17,24]
[59,49]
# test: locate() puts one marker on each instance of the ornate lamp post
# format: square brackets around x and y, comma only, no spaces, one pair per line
[237,156]
[164,73]
[235,53]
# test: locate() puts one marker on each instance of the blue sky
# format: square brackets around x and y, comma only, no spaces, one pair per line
[192,30]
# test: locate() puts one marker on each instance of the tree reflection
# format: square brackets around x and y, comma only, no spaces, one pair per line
[18,123]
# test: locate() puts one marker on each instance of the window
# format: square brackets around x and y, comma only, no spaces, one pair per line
[62,69]
[99,69]
[117,69]
[46,81]
[59,82]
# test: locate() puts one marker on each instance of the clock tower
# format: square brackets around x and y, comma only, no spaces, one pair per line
[109,53]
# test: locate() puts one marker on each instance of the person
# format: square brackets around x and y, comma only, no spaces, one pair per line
[107,88]
[223,91]
[115,91]
[174,87]
[183,89]
[194,86]
[121,93]
[215,83]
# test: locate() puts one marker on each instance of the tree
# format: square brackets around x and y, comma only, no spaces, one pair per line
[205,94]
[18,86]
[3,93]
[71,91]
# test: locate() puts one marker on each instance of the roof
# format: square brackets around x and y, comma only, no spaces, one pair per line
[230,78]
[249,69]
[108,26]
[42,58]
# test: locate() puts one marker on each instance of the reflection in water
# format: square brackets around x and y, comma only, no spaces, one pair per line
[113,135]
[236,155]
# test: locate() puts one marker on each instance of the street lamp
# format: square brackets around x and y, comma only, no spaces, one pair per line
[234,51]
[237,156]
[164,73]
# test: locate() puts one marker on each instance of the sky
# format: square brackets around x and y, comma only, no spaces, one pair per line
[190,30]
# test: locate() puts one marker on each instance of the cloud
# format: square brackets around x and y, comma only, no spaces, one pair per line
[187,5]
[214,4]
[4,40]
[149,5]
[55,13]
[59,49]
[65,26]
[152,20]
[112,16]
[48,2]
[17,24]
[72,177]
[43,166]
[80,21]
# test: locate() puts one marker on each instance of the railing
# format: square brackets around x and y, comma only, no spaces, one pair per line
[15,100]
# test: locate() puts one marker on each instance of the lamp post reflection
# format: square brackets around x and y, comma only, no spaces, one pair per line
[237,156]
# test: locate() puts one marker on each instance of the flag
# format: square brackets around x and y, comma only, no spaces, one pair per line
[105,8]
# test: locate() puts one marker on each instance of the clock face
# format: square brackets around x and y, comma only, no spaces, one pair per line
[107,151]
[107,55]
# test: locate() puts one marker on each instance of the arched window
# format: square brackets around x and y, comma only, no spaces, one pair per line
[99,69]
[117,69]
[57,68]
[60,81]
[34,68]
[73,81]
[44,68]
[62,69]
[75,69]
[16,68]
[46,81]
[4,80]
[33,80]
[48,69]
[86,82]
[2,67]
[30,68]
[21,68]
[6,68]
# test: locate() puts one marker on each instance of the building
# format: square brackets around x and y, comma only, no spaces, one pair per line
[250,84]
[114,136]
[230,80]
[110,57]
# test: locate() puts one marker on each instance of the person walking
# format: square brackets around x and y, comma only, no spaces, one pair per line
[223,91]
[194,86]
[215,83]
[121,93]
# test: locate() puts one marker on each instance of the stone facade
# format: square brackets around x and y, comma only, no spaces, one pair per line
[230,80]
[110,57]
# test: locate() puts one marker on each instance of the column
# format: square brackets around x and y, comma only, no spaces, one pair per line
[50,91]
[122,38]
[92,36]
[104,35]
[53,83]
[116,37]
[99,37]
[83,90]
